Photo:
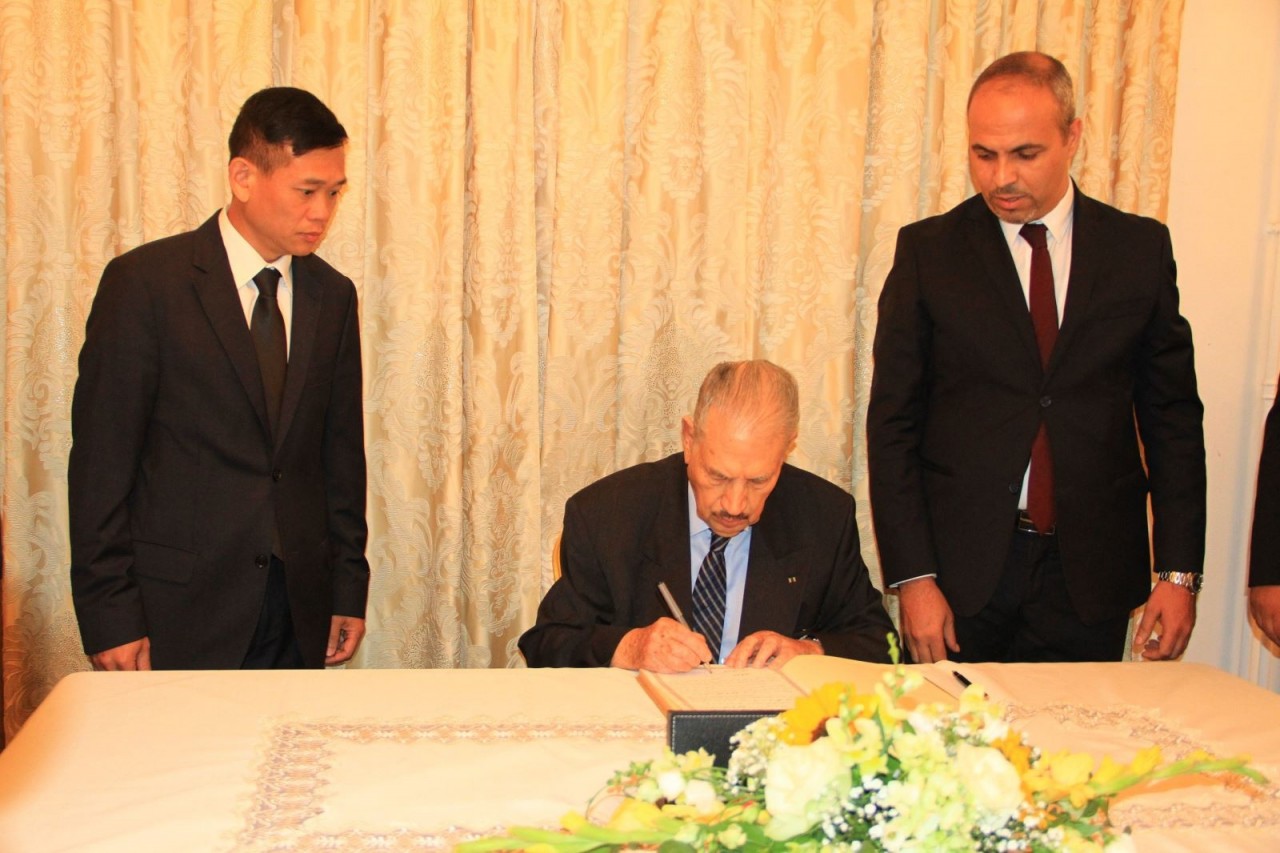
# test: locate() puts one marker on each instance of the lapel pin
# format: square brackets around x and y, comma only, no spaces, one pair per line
[791,579]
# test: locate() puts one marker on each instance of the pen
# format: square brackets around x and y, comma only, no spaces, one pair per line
[966,682]
[676,613]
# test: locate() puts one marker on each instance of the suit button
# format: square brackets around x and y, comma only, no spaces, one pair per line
[277,474]
[1015,488]
[1046,401]
[261,561]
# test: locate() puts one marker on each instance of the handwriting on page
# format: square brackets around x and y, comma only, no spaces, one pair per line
[731,689]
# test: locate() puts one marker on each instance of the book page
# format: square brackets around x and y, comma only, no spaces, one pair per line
[720,688]
[813,671]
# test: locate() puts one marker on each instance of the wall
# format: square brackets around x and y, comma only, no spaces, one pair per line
[1224,213]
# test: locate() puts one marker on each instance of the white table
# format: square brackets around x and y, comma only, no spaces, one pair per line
[412,759]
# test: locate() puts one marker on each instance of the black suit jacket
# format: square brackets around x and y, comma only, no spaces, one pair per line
[174,476]
[630,530]
[959,393]
[1264,550]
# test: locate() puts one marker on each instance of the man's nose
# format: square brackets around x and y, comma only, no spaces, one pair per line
[1006,172]
[321,209]
[735,498]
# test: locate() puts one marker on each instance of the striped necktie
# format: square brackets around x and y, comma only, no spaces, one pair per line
[709,595]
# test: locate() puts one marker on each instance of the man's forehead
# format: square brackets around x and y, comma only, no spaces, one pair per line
[752,456]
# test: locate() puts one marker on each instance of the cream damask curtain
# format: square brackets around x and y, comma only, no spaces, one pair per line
[562,213]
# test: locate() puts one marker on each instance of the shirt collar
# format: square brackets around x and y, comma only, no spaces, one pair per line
[1057,221]
[245,260]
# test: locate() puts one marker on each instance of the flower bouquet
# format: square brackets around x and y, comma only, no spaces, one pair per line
[845,770]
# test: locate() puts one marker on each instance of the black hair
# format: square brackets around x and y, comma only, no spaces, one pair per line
[280,116]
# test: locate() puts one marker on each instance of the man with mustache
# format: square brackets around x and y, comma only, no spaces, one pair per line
[762,557]
[1033,383]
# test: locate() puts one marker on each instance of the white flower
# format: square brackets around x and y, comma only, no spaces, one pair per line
[701,794]
[647,790]
[802,785]
[993,781]
[671,784]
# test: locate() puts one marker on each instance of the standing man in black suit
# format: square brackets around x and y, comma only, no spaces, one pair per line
[1264,551]
[217,474]
[1027,340]
[761,582]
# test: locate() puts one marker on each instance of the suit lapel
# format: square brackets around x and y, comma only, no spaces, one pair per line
[1087,247]
[216,291]
[985,238]
[776,576]
[302,335]
[668,548]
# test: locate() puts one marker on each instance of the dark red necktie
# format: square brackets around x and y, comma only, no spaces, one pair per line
[1044,316]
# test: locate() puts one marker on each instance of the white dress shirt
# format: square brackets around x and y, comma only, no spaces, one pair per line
[245,264]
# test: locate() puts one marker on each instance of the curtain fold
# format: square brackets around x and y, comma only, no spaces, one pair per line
[563,212]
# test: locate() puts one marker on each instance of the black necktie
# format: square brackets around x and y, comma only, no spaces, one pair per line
[267,328]
[709,595]
[1044,316]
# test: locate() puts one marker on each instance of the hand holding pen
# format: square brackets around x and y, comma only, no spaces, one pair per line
[665,645]
[678,614]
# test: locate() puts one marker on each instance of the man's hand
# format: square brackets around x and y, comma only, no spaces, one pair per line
[769,649]
[664,646]
[130,656]
[345,634]
[1173,607]
[1264,607]
[928,626]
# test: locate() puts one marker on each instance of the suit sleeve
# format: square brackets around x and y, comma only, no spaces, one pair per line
[110,412]
[1264,549]
[896,422]
[575,619]
[852,622]
[1170,420]
[345,474]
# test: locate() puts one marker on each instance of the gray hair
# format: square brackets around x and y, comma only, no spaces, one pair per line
[753,392]
[1037,69]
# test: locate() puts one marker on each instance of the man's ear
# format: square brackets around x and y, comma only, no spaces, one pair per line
[686,436]
[241,174]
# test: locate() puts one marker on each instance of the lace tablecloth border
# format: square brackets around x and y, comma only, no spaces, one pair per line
[1261,809]
[288,786]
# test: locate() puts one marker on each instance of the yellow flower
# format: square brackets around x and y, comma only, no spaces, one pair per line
[630,816]
[1146,761]
[1109,771]
[1070,769]
[805,722]
[1063,775]
[866,749]
[1018,753]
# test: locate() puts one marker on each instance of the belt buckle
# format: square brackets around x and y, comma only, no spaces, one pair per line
[1024,524]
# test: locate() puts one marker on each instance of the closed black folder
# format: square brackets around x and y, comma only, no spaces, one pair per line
[709,730]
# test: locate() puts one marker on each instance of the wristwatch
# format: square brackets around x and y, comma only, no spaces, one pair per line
[807,636]
[1190,581]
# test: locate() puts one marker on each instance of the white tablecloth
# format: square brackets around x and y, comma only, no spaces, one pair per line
[412,759]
